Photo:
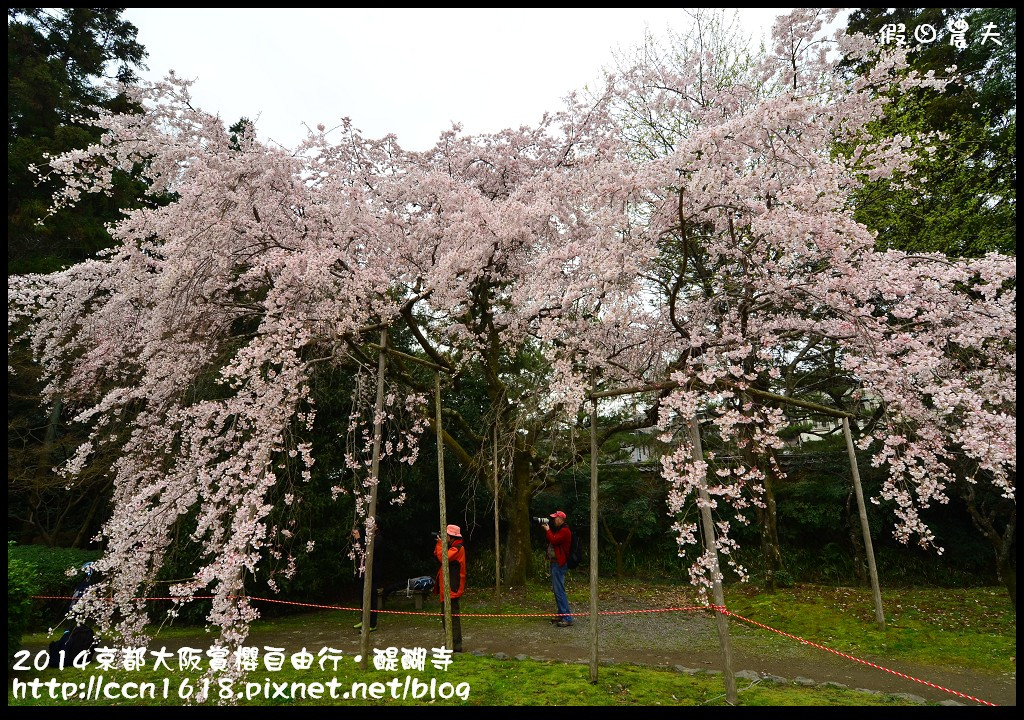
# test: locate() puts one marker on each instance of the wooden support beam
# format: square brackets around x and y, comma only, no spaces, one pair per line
[671,385]
[594,617]
[497,535]
[719,595]
[876,590]
[445,576]
[370,533]
[410,358]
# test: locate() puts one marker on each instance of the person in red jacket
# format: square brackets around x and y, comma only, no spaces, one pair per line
[559,542]
[457,575]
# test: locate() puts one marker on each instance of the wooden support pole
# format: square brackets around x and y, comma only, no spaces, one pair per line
[410,358]
[719,595]
[670,385]
[445,576]
[369,529]
[594,617]
[864,527]
[497,535]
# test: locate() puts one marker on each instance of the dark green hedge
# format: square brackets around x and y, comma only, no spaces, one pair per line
[22,584]
[48,567]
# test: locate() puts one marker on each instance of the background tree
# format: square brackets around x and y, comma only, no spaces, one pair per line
[962,199]
[57,60]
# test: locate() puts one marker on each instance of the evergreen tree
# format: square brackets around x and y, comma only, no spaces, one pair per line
[57,60]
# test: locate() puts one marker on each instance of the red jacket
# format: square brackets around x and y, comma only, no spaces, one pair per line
[561,541]
[456,568]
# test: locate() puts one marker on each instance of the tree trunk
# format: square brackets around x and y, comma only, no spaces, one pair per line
[1008,574]
[771,551]
[985,519]
[518,553]
[618,547]
[82,538]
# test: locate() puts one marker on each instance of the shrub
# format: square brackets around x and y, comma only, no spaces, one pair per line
[49,567]
[22,584]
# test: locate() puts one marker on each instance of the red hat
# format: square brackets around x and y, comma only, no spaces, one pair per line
[454,531]
[558,514]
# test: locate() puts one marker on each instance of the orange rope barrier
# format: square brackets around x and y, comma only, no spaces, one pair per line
[803,641]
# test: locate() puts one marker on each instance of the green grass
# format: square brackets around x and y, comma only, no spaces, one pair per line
[490,682]
[952,627]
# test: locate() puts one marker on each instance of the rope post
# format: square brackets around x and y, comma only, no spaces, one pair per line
[497,536]
[594,618]
[445,576]
[719,595]
[864,527]
[370,529]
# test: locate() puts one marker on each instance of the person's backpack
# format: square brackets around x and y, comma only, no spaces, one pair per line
[572,561]
[419,584]
[73,642]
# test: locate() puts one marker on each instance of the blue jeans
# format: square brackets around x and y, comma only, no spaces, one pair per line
[558,586]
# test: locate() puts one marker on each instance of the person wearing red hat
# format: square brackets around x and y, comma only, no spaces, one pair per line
[457,575]
[559,542]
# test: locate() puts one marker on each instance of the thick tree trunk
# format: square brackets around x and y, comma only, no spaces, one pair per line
[770,549]
[985,519]
[619,547]
[767,516]
[518,553]
[1008,574]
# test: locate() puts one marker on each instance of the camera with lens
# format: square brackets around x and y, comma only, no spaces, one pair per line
[542,520]
[436,534]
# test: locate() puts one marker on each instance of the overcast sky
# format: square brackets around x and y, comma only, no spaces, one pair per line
[408,71]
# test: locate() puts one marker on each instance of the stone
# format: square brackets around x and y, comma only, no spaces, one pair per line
[806,682]
[500,656]
[911,698]
[831,684]
[748,675]
[520,658]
